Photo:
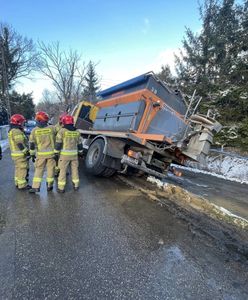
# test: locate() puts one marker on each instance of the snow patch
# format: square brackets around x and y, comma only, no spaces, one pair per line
[160,184]
[221,165]
[194,170]
[4,144]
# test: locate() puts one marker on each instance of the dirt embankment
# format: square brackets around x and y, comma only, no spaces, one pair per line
[227,229]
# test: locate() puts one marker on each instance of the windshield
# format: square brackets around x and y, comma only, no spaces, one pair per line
[30,124]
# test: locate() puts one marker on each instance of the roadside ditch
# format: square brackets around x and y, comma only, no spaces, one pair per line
[229,232]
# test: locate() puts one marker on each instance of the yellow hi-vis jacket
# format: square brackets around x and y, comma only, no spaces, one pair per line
[68,143]
[57,127]
[18,143]
[42,141]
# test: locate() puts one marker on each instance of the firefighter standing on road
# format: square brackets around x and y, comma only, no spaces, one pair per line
[57,128]
[68,145]
[19,151]
[41,142]
[1,156]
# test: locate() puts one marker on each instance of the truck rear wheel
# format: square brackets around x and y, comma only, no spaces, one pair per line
[94,160]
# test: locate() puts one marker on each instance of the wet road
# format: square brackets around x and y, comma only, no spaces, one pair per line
[106,242]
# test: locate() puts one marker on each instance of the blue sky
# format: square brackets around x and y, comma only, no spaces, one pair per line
[127,38]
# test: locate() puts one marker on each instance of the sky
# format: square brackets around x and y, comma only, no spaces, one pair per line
[126,38]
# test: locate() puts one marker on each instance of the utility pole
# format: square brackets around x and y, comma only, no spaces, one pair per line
[5,78]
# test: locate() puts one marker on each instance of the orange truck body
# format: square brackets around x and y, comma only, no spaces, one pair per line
[144,116]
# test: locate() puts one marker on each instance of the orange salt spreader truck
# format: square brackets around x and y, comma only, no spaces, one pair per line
[142,126]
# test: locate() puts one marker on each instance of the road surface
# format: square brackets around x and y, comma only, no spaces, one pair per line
[228,194]
[106,241]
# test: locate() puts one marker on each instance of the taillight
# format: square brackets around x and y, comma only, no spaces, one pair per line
[134,154]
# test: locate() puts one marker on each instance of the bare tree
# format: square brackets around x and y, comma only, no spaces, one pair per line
[50,104]
[64,69]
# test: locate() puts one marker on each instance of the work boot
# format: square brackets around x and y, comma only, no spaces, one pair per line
[76,188]
[34,190]
[25,188]
[60,191]
[49,188]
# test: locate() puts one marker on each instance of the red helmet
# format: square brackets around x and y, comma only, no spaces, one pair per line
[61,117]
[17,120]
[68,120]
[41,116]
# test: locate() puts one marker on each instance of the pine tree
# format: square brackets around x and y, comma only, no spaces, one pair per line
[210,61]
[166,75]
[214,62]
[195,66]
[22,104]
[18,58]
[3,115]
[92,83]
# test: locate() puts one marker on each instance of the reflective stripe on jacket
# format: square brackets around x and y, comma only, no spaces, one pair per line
[16,136]
[43,139]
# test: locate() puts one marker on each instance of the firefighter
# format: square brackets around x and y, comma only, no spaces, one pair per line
[68,146]
[41,143]
[1,156]
[57,128]
[19,151]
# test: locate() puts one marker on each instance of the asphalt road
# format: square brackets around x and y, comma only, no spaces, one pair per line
[106,241]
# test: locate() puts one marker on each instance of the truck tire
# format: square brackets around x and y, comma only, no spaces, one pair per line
[94,158]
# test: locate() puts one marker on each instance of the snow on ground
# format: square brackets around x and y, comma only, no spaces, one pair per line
[4,144]
[223,166]
[226,177]
[160,184]
[4,137]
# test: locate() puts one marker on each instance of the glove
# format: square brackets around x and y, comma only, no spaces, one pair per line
[80,154]
[27,154]
[33,158]
[56,157]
